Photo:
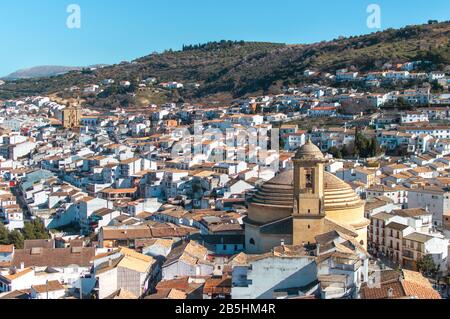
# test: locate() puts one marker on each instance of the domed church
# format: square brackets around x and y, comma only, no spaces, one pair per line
[297,205]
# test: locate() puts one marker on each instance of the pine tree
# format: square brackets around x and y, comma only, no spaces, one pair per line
[4,240]
[375,148]
[39,230]
[28,231]
[16,238]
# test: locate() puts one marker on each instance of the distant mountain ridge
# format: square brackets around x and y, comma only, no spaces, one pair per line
[43,71]
[40,71]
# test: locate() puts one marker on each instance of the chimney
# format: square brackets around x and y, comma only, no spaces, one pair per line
[22,265]
[110,262]
[282,242]
[390,292]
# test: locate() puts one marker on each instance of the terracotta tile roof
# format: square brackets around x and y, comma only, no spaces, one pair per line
[404,284]
[103,255]
[154,230]
[190,253]
[6,248]
[126,233]
[28,244]
[119,191]
[414,289]
[411,212]
[144,215]
[418,237]
[240,259]
[218,286]
[17,294]
[181,284]
[397,226]
[122,294]
[61,257]
[87,199]
[167,243]
[53,285]
[18,274]
[176,294]
[226,227]
[108,265]
[103,212]
[382,292]
[171,232]
[416,277]
[135,261]
[166,293]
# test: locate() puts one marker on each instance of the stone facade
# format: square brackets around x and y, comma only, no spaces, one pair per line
[307,196]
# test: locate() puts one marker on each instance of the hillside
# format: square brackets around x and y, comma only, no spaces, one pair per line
[234,69]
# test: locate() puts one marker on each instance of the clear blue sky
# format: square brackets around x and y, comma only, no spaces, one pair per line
[34,32]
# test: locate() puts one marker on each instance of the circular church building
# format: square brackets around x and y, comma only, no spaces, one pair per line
[297,205]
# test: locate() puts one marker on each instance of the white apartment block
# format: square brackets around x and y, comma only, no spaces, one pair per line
[434,199]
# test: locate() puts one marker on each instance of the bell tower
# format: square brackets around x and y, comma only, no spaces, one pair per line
[308,213]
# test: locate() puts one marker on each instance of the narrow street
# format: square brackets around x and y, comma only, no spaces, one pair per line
[21,202]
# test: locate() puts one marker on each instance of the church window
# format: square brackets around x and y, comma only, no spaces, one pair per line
[309,178]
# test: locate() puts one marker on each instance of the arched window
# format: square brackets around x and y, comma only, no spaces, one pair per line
[362,242]
[309,181]
[252,241]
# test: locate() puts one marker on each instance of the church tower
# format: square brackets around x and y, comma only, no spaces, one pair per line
[308,213]
[71,115]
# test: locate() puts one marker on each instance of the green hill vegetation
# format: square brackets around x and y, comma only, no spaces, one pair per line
[235,68]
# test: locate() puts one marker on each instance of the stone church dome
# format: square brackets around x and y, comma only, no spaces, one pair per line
[298,205]
[274,199]
[309,151]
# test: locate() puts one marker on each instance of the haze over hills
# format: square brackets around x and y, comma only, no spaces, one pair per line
[41,72]
[237,68]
